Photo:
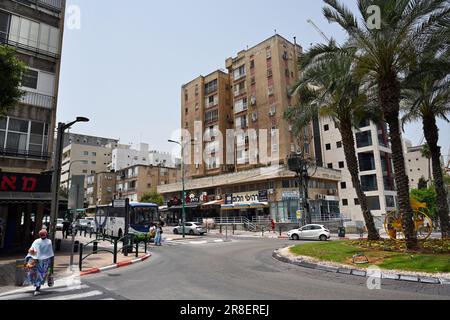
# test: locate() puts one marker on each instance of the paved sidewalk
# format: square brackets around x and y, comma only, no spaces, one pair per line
[62,261]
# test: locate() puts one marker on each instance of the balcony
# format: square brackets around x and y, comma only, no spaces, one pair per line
[37,99]
[54,5]
[5,39]
[15,153]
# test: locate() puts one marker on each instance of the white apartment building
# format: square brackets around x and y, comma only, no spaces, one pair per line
[375,164]
[124,156]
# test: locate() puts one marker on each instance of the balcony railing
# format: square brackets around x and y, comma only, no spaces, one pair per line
[16,153]
[54,5]
[37,99]
[4,39]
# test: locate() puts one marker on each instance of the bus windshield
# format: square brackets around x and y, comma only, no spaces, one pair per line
[144,215]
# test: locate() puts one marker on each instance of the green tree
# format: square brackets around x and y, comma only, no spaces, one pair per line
[11,72]
[426,99]
[153,197]
[427,196]
[328,87]
[384,56]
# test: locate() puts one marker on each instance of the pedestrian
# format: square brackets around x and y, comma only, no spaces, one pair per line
[273,225]
[39,262]
[153,231]
[66,226]
[158,238]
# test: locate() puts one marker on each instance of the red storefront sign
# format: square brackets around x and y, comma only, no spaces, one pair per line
[20,182]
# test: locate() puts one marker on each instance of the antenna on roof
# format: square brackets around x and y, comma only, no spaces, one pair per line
[275,31]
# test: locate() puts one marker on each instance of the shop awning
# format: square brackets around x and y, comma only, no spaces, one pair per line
[188,206]
[27,197]
[245,205]
[213,203]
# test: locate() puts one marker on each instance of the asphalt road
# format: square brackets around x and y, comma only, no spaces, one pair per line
[245,270]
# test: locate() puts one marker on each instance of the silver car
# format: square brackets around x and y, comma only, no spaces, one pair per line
[191,228]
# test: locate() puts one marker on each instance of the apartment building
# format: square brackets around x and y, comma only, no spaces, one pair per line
[85,155]
[124,156]
[375,165]
[137,180]
[417,166]
[252,95]
[101,188]
[34,28]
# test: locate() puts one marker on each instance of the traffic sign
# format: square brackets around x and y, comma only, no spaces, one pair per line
[120,203]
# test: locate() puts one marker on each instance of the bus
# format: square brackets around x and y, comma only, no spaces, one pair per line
[111,221]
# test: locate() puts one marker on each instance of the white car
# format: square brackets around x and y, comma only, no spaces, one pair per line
[59,224]
[310,232]
[191,228]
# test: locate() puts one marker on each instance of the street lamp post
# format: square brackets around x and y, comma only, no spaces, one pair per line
[183,219]
[56,179]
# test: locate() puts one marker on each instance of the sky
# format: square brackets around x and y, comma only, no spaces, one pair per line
[125,65]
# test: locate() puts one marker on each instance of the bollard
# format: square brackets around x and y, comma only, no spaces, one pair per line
[281,232]
[115,251]
[220,229]
[80,260]
[262,229]
[137,249]
[145,244]
[226,233]
[76,246]
[125,247]
[234,228]
[95,247]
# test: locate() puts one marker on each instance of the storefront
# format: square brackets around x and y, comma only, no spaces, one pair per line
[25,201]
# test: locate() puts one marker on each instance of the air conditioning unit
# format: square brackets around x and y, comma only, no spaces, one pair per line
[270,91]
[273,111]
[254,117]
[285,56]
[269,54]
[253,101]
[291,128]
[269,73]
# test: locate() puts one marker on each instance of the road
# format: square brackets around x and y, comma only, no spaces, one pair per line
[238,270]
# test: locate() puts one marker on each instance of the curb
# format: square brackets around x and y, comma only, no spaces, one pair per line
[359,273]
[115,266]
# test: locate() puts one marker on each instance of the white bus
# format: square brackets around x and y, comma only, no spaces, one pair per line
[111,221]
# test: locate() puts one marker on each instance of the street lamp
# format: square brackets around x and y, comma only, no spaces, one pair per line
[183,219]
[56,179]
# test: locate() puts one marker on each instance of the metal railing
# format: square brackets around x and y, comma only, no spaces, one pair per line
[4,39]
[16,153]
[231,221]
[37,99]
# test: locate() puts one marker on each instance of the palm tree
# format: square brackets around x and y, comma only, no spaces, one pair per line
[328,87]
[426,153]
[427,99]
[384,56]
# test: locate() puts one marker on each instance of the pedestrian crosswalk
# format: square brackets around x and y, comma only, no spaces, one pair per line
[64,289]
[170,242]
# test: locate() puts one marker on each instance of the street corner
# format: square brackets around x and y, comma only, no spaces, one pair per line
[117,265]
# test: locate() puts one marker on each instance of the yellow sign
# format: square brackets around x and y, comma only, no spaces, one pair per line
[299,214]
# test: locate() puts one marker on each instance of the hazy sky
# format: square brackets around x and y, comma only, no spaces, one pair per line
[124,68]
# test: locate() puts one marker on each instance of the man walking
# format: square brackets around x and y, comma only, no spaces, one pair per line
[66,226]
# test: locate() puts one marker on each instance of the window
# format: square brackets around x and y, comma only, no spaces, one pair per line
[339,144]
[364,123]
[241,105]
[94,162]
[344,202]
[328,146]
[343,185]
[30,79]
[211,87]
[364,139]
[241,122]
[374,203]
[212,101]
[356,202]
[366,161]
[94,154]
[326,127]
[86,153]
[369,183]
[4,26]
[239,72]
[341,164]
[212,116]
[252,64]
[330,166]
[390,201]
[239,89]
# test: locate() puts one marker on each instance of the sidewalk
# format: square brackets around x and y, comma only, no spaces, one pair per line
[62,261]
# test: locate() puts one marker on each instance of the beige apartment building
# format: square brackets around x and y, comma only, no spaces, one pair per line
[236,179]
[101,188]
[135,181]
[34,29]
[252,96]
[417,166]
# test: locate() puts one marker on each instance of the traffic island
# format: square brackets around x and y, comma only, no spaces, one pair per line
[349,257]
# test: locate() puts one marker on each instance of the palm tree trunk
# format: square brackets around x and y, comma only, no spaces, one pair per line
[389,92]
[348,143]
[432,135]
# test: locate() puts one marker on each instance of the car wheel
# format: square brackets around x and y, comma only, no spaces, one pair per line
[191,232]
[295,237]
[175,231]
[323,238]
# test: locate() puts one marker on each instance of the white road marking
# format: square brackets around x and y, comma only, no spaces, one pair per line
[88,294]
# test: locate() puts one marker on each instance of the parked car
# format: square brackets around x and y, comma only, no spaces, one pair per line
[191,228]
[59,224]
[310,232]
[83,224]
